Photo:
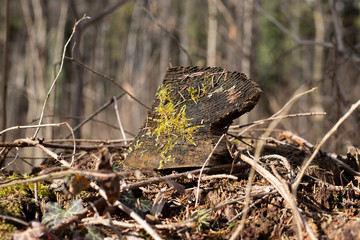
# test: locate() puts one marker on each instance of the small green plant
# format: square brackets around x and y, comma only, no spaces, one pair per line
[195,94]
[138,144]
[203,220]
[55,214]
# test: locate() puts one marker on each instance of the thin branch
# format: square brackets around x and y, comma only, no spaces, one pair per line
[11,162]
[289,103]
[203,166]
[188,174]
[259,122]
[95,113]
[258,150]
[293,99]
[169,33]
[307,163]
[53,145]
[283,189]
[128,211]
[14,220]
[44,149]
[61,174]
[58,74]
[78,140]
[103,14]
[287,32]
[109,79]
[31,126]
[38,127]
[119,120]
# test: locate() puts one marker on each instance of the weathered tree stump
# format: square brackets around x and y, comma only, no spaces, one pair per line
[193,108]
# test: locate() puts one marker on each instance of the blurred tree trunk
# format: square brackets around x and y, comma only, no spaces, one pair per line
[166,17]
[318,64]
[78,71]
[131,64]
[55,100]
[212,34]
[247,35]
[184,31]
[5,74]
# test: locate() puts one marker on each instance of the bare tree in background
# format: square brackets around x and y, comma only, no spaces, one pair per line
[212,34]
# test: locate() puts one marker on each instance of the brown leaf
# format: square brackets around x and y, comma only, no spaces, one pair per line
[111,186]
[77,184]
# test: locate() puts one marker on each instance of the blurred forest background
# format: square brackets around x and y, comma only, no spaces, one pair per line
[282,45]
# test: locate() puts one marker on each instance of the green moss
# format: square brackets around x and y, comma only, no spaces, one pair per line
[196,94]
[7,230]
[12,197]
[138,144]
[173,125]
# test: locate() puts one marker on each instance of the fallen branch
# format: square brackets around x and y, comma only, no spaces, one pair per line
[284,191]
[307,163]
[188,174]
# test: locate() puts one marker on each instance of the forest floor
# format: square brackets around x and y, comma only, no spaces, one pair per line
[174,204]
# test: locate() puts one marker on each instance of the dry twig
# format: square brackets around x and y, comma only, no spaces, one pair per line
[202,169]
[258,150]
[77,127]
[307,163]
[119,120]
[109,79]
[259,122]
[58,74]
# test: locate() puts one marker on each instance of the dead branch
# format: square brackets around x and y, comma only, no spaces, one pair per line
[44,149]
[119,120]
[52,145]
[95,113]
[258,150]
[109,79]
[187,174]
[61,174]
[128,211]
[58,74]
[161,26]
[283,189]
[307,163]
[203,166]
[44,125]
[259,122]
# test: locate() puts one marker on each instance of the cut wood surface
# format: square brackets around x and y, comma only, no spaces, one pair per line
[192,109]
